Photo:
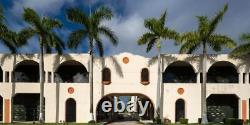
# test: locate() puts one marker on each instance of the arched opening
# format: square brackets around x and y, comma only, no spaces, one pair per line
[26,71]
[26,107]
[124,107]
[179,109]
[145,76]
[106,76]
[1,108]
[222,72]
[221,106]
[179,72]
[71,72]
[70,115]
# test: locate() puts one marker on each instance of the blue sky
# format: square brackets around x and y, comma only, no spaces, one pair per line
[128,19]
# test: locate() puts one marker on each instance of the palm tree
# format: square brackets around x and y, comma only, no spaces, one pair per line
[12,40]
[204,36]
[243,49]
[157,32]
[43,28]
[91,29]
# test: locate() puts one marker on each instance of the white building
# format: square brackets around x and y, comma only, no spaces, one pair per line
[68,99]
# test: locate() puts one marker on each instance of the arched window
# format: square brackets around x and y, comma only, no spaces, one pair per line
[26,71]
[145,76]
[222,72]
[106,76]
[71,71]
[179,72]
[179,109]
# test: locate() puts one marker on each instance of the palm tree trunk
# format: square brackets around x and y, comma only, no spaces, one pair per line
[203,86]
[91,82]
[158,102]
[13,89]
[41,71]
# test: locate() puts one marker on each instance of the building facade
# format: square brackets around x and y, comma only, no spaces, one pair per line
[67,88]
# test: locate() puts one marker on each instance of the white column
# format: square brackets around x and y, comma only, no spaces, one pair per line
[4,73]
[198,77]
[247,78]
[241,78]
[52,77]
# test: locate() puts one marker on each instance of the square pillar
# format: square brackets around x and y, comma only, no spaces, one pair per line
[6,113]
[52,77]
[198,77]
[247,78]
[243,109]
[241,78]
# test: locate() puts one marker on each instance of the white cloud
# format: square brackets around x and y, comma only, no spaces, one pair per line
[46,7]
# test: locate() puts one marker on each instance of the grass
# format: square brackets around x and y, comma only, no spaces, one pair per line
[49,124]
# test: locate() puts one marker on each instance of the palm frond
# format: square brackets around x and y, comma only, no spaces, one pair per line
[1,14]
[101,14]
[170,34]
[215,21]
[203,26]
[190,42]
[99,45]
[151,24]
[151,43]
[31,17]
[241,50]
[145,38]
[24,35]
[109,34]
[216,41]
[57,43]
[75,38]
[77,16]
[163,19]
[49,23]
[245,37]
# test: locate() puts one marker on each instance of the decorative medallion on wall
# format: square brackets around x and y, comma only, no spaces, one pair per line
[180,91]
[125,60]
[71,90]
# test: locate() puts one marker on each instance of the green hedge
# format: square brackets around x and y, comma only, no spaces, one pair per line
[183,121]
[233,121]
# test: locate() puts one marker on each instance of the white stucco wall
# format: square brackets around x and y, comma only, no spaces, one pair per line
[125,79]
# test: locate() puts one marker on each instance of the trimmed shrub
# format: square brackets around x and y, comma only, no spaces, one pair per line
[183,121]
[166,121]
[199,120]
[92,122]
[233,121]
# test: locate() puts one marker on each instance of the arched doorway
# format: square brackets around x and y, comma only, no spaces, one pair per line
[1,108]
[26,107]
[70,115]
[222,72]
[221,106]
[26,71]
[179,109]
[71,72]
[132,110]
[179,72]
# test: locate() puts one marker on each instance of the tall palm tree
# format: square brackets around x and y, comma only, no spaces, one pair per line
[203,37]
[12,40]
[43,27]
[157,32]
[91,29]
[243,49]
[16,40]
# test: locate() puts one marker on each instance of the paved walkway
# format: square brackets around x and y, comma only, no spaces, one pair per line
[125,123]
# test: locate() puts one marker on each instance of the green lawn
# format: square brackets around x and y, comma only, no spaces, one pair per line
[52,124]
